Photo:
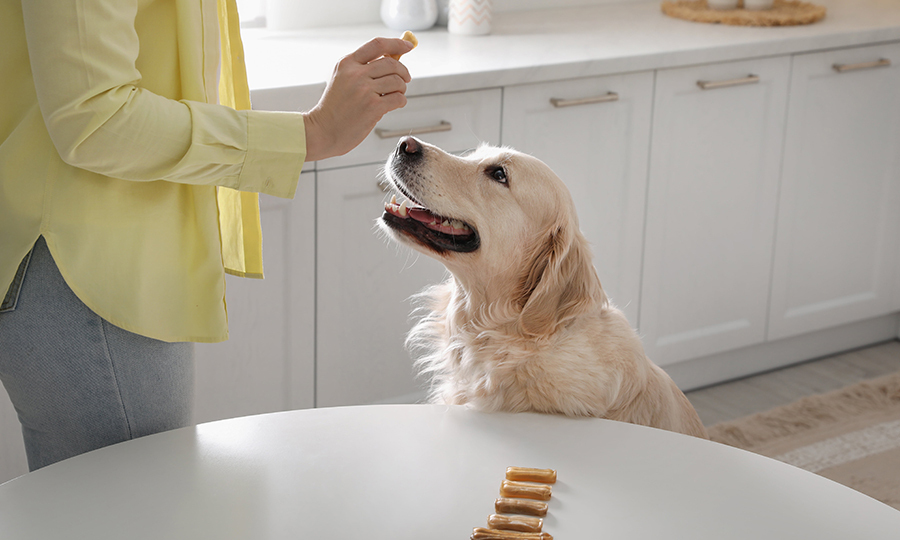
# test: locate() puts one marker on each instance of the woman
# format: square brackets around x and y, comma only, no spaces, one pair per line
[129,173]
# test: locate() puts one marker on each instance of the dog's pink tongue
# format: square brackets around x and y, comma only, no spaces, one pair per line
[434,222]
[420,214]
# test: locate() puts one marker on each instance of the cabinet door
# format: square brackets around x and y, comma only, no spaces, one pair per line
[836,248]
[598,146]
[267,364]
[364,287]
[714,174]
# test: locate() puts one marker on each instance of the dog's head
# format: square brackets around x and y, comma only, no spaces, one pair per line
[501,221]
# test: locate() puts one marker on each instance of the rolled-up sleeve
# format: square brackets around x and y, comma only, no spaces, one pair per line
[83,56]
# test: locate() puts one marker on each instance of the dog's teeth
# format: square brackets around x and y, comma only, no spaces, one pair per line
[403,209]
[393,199]
[459,225]
[445,223]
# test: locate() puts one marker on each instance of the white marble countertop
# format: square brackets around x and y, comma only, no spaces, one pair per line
[535,46]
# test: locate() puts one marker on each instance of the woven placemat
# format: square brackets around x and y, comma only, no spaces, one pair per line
[783,13]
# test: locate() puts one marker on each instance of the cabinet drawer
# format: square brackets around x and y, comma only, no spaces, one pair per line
[455,122]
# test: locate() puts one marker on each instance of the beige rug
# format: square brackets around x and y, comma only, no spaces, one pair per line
[851,436]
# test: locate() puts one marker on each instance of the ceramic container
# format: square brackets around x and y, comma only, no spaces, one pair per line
[409,14]
[470,17]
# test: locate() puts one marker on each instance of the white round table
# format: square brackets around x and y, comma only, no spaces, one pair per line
[426,472]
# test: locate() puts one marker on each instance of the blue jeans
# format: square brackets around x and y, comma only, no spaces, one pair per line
[77,382]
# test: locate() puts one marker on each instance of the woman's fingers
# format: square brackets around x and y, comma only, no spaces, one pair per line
[379,47]
[385,66]
[389,85]
[365,85]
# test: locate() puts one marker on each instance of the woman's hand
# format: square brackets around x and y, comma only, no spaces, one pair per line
[364,86]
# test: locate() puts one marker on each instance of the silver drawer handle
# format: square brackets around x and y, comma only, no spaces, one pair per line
[605,98]
[394,133]
[710,85]
[841,68]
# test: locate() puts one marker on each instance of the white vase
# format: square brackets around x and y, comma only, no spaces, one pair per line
[409,14]
[470,17]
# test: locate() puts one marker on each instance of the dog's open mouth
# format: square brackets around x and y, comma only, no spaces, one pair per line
[435,231]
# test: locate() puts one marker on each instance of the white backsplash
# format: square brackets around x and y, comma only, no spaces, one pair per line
[296,14]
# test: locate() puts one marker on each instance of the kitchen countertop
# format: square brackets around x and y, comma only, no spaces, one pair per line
[545,45]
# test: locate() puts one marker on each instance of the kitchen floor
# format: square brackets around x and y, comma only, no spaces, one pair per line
[758,393]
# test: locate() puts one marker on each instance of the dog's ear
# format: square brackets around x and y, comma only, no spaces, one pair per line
[559,284]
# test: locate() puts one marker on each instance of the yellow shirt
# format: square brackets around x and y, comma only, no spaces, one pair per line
[113,148]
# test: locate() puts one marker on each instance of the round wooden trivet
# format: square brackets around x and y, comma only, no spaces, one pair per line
[783,13]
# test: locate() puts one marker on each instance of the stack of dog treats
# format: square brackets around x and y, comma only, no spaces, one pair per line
[521,506]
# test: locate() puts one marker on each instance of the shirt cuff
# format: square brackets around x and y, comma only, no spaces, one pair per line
[276,150]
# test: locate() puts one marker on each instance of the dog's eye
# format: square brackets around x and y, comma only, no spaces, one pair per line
[498,174]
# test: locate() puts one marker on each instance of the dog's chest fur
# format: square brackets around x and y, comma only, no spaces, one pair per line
[480,359]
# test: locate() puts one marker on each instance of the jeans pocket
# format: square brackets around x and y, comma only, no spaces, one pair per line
[12,295]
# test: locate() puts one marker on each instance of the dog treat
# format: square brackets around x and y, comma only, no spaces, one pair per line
[410,37]
[495,534]
[515,523]
[525,474]
[540,492]
[520,506]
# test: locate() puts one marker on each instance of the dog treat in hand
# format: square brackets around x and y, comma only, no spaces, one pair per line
[525,474]
[410,37]
[540,492]
[515,523]
[495,534]
[520,506]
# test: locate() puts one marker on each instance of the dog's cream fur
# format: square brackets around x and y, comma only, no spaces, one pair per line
[523,324]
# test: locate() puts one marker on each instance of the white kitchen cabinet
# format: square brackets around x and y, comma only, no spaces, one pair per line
[364,281]
[712,194]
[364,287]
[838,226]
[267,364]
[594,134]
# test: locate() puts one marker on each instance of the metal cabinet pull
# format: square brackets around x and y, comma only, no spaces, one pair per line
[605,98]
[710,85]
[841,68]
[393,133]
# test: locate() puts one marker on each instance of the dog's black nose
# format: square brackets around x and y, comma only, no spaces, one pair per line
[410,147]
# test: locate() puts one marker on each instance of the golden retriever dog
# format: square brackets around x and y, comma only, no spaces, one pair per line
[522,323]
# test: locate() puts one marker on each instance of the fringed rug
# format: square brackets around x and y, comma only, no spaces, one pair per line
[851,436]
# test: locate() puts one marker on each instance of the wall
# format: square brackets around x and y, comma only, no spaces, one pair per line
[312,14]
